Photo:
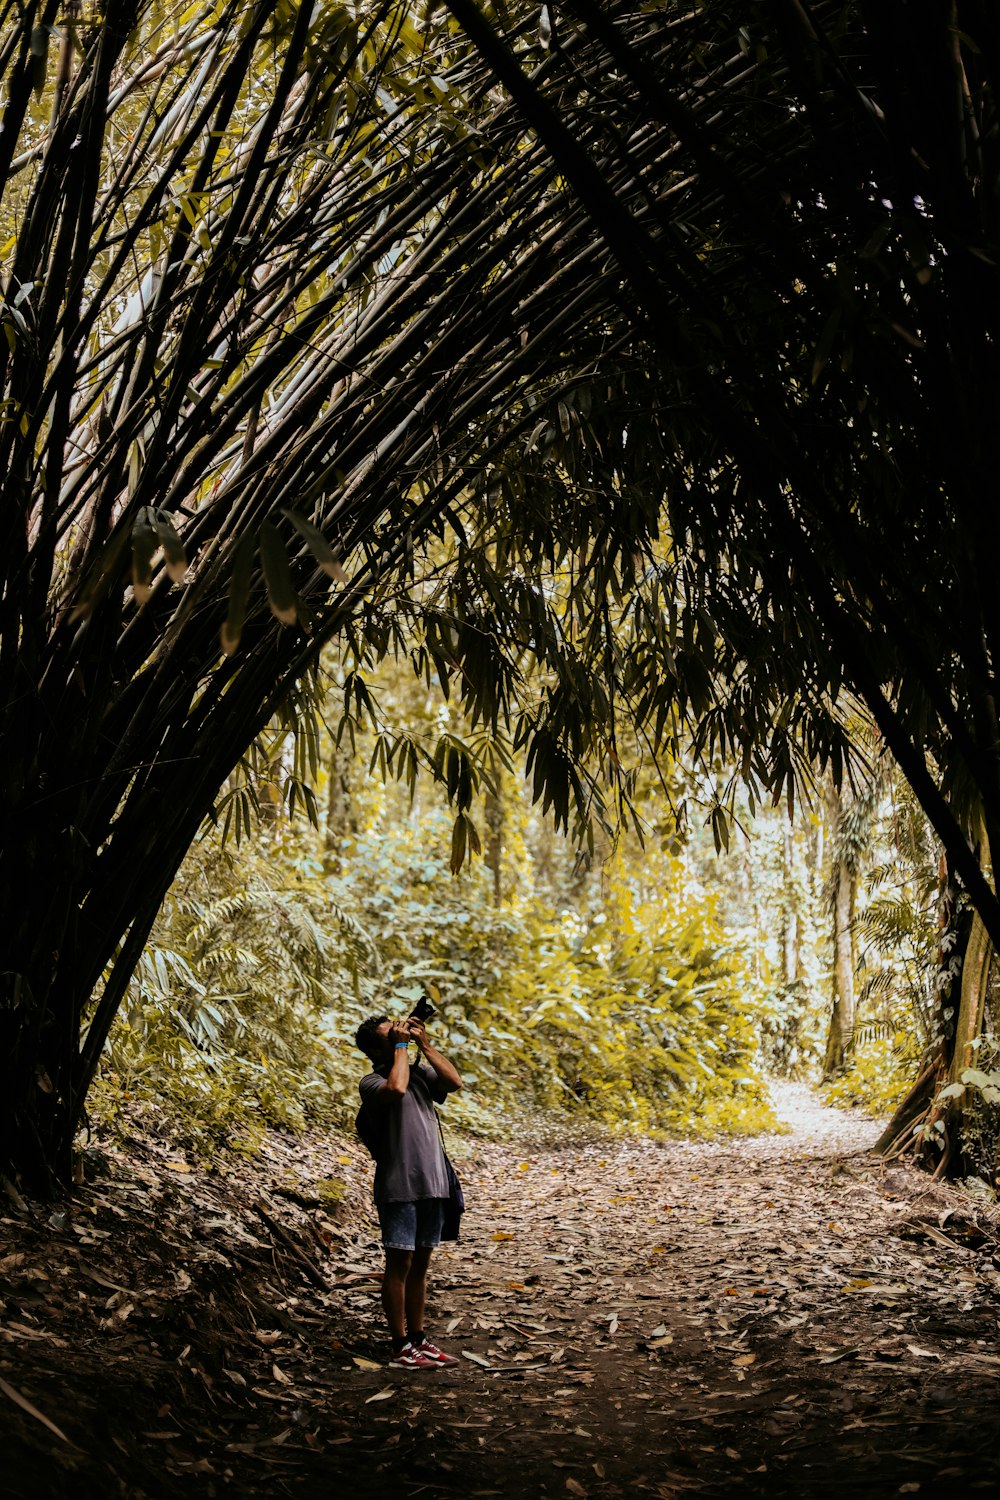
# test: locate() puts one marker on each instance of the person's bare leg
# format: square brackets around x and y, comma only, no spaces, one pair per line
[416,1289]
[395,1287]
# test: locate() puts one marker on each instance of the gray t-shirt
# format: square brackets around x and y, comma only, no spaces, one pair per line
[410,1160]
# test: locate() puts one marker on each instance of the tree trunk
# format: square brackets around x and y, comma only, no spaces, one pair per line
[753,895]
[972,1000]
[790,926]
[494,843]
[931,1130]
[61,936]
[91,849]
[910,1110]
[844,884]
[960,1130]
[339,810]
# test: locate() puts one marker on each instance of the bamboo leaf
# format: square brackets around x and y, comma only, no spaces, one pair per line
[175,557]
[281,594]
[15,1395]
[318,546]
[135,457]
[144,544]
[458,843]
[239,591]
[39,51]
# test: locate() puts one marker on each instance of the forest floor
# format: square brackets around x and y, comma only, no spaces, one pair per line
[783,1316]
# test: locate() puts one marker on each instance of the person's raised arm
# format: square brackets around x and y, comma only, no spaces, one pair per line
[398,1080]
[445,1070]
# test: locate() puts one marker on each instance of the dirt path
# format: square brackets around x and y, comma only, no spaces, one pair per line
[779,1316]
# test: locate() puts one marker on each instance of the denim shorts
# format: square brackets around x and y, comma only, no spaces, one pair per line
[407,1226]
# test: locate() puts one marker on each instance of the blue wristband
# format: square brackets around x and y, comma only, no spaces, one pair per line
[404,1045]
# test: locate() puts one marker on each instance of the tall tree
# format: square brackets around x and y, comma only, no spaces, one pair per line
[289,293]
[812,251]
[267,270]
[843,897]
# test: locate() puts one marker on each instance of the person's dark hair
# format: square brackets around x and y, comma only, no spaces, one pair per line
[368,1039]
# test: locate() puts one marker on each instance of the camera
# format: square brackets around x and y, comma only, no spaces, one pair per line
[423,1010]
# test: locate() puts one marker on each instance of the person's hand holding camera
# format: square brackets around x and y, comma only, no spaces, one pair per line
[399,1032]
[417,1031]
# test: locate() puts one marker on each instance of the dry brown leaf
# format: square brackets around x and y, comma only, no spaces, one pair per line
[26,1405]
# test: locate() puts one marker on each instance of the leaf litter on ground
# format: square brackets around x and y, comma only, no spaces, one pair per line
[688,1315]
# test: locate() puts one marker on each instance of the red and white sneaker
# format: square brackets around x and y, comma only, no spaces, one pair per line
[433,1354]
[413,1358]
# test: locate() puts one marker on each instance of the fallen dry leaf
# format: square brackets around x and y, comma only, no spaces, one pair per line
[582,1249]
[25,1405]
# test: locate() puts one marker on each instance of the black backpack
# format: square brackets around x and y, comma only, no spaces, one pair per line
[369,1133]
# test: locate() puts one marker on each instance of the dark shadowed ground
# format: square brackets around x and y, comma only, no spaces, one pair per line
[784,1316]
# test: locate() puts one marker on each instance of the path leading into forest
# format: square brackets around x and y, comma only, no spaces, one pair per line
[780,1316]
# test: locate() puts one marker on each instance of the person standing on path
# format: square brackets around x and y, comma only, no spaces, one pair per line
[411,1182]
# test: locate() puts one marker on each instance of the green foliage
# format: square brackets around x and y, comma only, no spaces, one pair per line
[614,995]
[897,929]
[790,1027]
[979,1091]
[641,990]
[642,1011]
[222,1032]
[769,893]
[898,938]
[880,1071]
[620,999]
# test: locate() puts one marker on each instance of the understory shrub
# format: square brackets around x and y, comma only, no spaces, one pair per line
[630,1007]
[879,1072]
[225,1027]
